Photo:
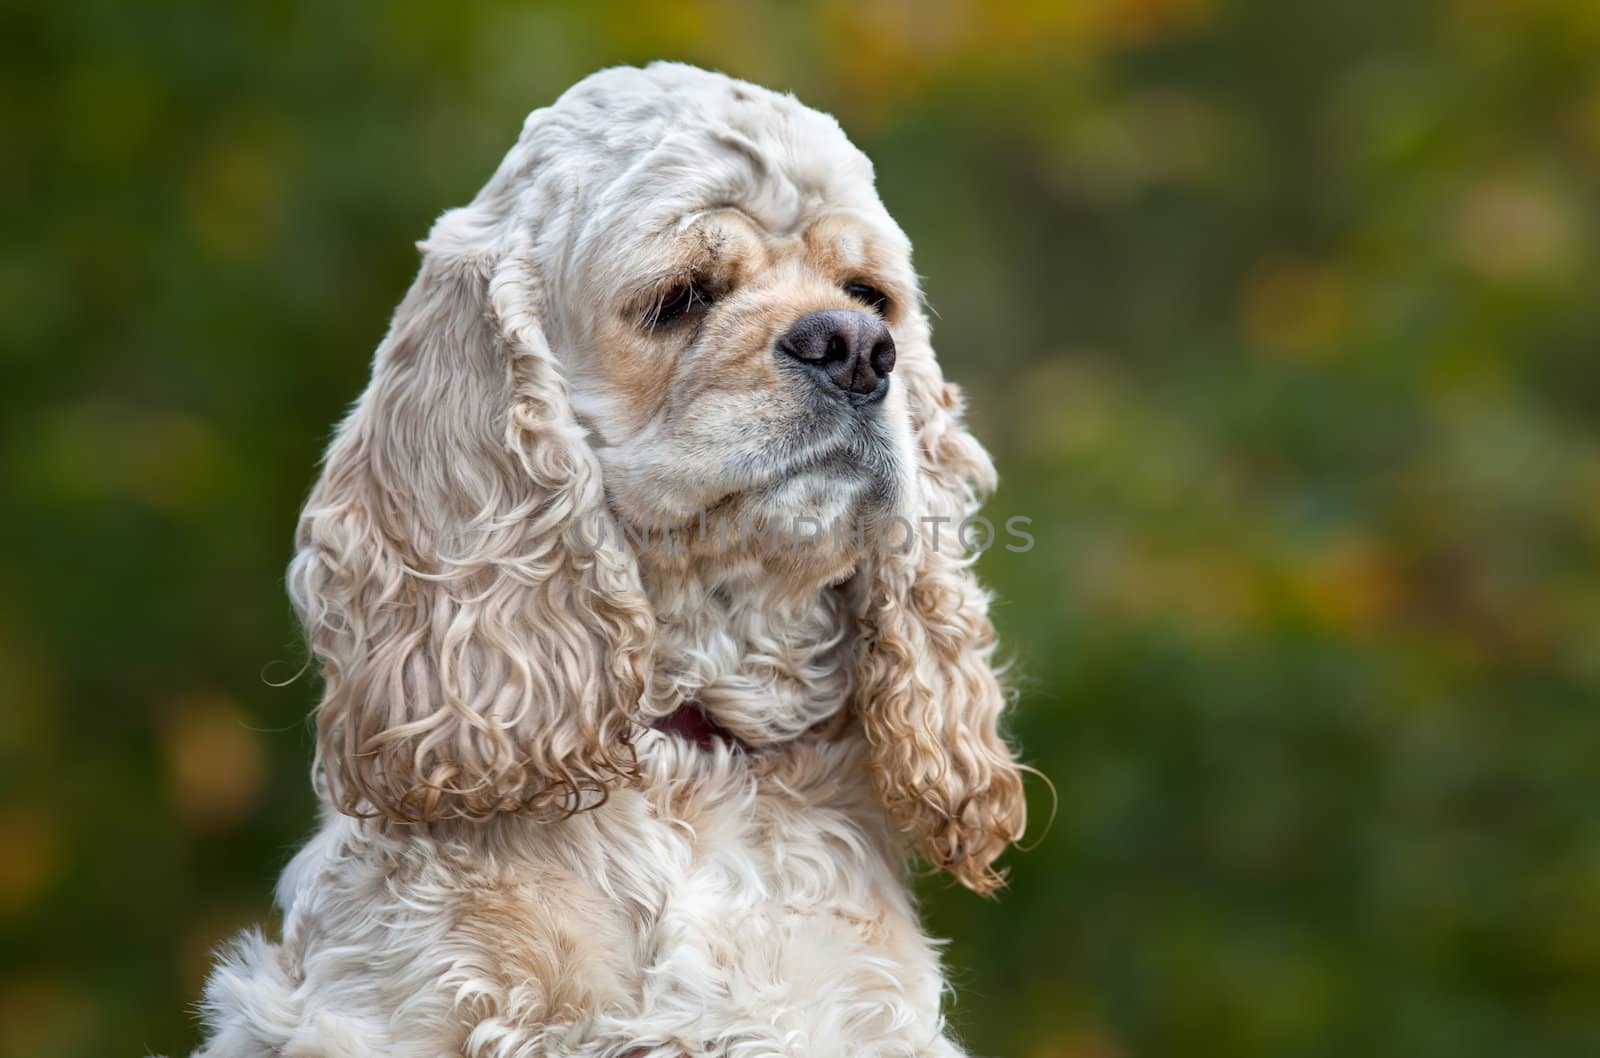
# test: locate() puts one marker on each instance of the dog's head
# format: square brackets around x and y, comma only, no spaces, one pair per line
[678,305]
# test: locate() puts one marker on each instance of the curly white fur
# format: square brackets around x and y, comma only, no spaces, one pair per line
[512,863]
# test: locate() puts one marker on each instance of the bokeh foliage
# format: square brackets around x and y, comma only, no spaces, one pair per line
[1280,318]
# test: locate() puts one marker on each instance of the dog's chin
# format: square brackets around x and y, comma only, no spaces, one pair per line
[808,526]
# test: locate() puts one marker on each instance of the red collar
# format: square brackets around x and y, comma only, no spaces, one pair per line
[691,723]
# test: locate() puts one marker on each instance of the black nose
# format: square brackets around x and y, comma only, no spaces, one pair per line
[848,352]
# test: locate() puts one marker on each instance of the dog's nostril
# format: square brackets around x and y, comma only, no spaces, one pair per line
[836,350]
[882,359]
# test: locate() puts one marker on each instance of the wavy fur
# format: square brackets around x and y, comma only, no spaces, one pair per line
[930,698]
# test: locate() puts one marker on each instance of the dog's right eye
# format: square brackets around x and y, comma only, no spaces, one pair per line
[675,303]
[870,296]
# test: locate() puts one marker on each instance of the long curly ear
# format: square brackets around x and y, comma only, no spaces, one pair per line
[477,657]
[929,698]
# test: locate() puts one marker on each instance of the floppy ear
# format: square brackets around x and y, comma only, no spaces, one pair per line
[477,657]
[930,699]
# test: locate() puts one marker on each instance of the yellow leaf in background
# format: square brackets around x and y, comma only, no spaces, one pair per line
[1086,27]
[884,52]
[1503,22]
[1214,596]
[665,28]
[1294,308]
[1351,586]
[214,762]
[1515,231]
[1079,1042]
[30,849]
[236,189]
[890,51]
[1142,21]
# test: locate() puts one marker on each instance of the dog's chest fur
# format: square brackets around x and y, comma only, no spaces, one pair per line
[734,906]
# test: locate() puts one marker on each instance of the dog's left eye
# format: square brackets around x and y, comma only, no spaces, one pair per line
[869,296]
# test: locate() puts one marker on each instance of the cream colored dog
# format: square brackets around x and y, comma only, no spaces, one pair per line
[603,776]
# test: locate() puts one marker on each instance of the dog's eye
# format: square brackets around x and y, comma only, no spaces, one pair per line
[675,303]
[869,296]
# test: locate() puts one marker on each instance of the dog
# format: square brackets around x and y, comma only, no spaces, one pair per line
[612,763]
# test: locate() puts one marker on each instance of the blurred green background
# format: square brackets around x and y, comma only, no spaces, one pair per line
[1280,318]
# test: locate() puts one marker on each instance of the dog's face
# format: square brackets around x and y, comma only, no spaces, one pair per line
[731,343]
[743,373]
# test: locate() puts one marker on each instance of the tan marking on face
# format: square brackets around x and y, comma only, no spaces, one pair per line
[847,250]
[837,245]
[720,250]
[634,370]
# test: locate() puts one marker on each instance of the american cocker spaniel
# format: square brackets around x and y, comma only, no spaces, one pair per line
[645,679]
